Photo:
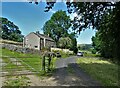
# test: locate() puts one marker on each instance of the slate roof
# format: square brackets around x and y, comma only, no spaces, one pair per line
[43,36]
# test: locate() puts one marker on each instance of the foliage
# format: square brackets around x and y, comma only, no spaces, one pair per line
[63,53]
[95,43]
[94,14]
[106,40]
[91,55]
[89,13]
[33,60]
[75,49]
[107,73]
[74,43]
[65,43]
[84,46]
[10,31]
[57,26]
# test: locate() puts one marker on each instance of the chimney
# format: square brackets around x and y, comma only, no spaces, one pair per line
[37,32]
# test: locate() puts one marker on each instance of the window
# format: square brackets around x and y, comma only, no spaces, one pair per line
[36,46]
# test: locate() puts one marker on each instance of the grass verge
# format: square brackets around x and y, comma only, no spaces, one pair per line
[17,81]
[102,70]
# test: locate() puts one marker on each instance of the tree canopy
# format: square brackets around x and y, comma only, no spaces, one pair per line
[65,42]
[89,13]
[10,31]
[106,40]
[57,26]
[95,14]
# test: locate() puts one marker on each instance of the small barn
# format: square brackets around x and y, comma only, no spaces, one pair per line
[38,41]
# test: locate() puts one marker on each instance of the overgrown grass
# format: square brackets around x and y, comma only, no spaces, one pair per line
[9,65]
[17,54]
[102,70]
[88,53]
[17,81]
[91,55]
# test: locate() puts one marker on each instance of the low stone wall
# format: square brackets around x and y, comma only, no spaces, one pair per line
[11,42]
[19,49]
[63,50]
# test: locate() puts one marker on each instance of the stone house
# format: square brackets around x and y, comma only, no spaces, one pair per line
[38,41]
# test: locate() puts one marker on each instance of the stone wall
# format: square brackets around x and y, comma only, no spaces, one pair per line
[63,50]
[20,49]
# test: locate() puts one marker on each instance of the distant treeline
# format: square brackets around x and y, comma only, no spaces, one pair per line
[84,46]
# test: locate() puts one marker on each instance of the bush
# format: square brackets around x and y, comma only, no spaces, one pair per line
[74,49]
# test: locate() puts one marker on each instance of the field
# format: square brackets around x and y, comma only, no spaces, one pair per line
[32,62]
[102,70]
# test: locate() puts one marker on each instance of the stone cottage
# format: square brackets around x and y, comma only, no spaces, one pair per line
[38,41]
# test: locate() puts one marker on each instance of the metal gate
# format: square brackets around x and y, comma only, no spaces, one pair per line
[10,66]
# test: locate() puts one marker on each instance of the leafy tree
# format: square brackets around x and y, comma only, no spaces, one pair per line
[93,14]
[65,42]
[57,26]
[90,13]
[73,37]
[106,40]
[10,31]
[96,43]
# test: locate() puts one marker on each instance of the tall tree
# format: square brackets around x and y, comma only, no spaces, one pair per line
[106,40]
[92,14]
[10,31]
[89,13]
[57,26]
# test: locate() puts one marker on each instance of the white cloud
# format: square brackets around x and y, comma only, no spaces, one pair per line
[53,11]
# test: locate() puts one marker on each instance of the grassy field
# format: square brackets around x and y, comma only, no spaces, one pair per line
[102,70]
[34,61]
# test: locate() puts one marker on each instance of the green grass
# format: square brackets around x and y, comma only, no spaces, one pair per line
[17,54]
[34,61]
[31,59]
[9,65]
[17,81]
[52,66]
[102,70]
[91,55]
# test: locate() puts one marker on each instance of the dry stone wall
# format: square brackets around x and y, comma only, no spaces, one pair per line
[19,49]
